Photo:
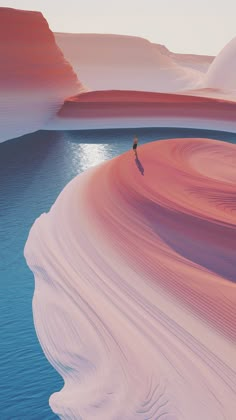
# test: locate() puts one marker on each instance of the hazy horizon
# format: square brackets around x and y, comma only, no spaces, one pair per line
[202,28]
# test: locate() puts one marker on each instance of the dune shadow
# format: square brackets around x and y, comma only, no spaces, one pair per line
[139,164]
[210,245]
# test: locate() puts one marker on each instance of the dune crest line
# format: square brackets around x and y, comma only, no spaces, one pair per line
[135,293]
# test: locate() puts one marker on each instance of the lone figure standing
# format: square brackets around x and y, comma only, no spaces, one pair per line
[135,144]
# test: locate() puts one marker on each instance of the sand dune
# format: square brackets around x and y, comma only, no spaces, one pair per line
[34,76]
[135,295]
[35,79]
[113,109]
[221,73]
[105,62]
[194,61]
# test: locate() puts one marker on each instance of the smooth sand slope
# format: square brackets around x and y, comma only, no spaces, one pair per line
[125,104]
[105,61]
[120,109]
[194,61]
[221,73]
[135,294]
[34,76]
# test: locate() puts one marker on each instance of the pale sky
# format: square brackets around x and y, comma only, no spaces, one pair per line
[187,26]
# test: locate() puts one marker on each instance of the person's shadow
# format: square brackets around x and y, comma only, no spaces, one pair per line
[139,164]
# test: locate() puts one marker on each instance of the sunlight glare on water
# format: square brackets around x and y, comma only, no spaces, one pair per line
[87,155]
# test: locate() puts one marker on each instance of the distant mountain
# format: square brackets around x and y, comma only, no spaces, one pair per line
[104,61]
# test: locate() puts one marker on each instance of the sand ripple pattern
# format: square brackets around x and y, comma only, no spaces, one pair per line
[135,293]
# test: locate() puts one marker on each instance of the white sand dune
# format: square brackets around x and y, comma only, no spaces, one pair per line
[105,62]
[222,72]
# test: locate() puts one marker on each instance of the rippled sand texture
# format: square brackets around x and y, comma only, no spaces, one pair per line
[135,292]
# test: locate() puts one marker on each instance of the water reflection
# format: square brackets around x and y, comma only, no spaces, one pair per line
[86,148]
[84,156]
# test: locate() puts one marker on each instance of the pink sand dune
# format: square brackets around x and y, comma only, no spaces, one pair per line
[112,109]
[193,61]
[29,54]
[34,76]
[106,61]
[135,269]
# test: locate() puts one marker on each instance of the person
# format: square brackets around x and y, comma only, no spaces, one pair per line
[135,144]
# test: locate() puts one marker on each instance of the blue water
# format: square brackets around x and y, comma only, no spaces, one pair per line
[33,171]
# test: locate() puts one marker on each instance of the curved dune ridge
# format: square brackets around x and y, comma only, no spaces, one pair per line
[112,109]
[134,301]
[35,78]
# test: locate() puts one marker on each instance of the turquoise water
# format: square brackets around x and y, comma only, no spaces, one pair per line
[33,171]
